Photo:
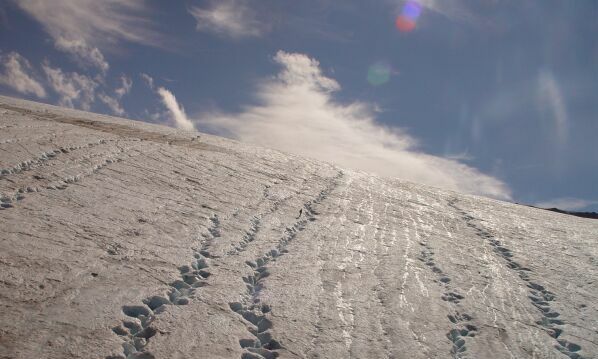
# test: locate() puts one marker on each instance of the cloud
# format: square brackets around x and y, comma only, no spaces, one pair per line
[16,75]
[148,80]
[126,86]
[540,100]
[83,54]
[550,97]
[297,114]
[452,9]
[112,103]
[177,112]
[455,10]
[83,27]
[567,204]
[460,156]
[230,18]
[75,90]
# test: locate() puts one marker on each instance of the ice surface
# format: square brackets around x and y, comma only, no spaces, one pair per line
[125,239]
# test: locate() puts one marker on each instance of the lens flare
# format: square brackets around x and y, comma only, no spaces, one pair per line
[379,73]
[412,10]
[407,20]
[405,24]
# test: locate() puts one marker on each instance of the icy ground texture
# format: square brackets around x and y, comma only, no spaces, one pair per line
[123,239]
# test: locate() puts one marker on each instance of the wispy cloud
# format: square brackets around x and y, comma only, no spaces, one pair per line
[456,10]
[177,112]
[75,90]
[567,203]
[84,27]
[297,113]
[540,99]
[550,97]
[453,9]
[112,103]
[17,75]
[230,18]
[460,156]
[126,86]
[148,80]
[83,54]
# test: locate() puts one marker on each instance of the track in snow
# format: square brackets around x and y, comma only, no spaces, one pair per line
[539,296]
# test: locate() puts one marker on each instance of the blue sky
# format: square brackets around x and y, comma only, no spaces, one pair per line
[492,97]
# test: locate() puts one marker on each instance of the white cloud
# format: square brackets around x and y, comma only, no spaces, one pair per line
[460,156]
[126,86]
[298,114]
[83,27]
[567,204]
[148,80]
[177,112]
[232,18]
[75,90]
[84,54]
[16,75]
[112,103]
[550,97]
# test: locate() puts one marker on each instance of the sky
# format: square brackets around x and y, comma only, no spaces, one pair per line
[491,97]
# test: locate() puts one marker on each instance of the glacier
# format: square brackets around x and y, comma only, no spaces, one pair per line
[123,239]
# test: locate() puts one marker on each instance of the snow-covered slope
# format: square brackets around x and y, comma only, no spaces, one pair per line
[120,238]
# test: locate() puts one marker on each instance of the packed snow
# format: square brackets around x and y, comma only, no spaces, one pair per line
[121,239]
